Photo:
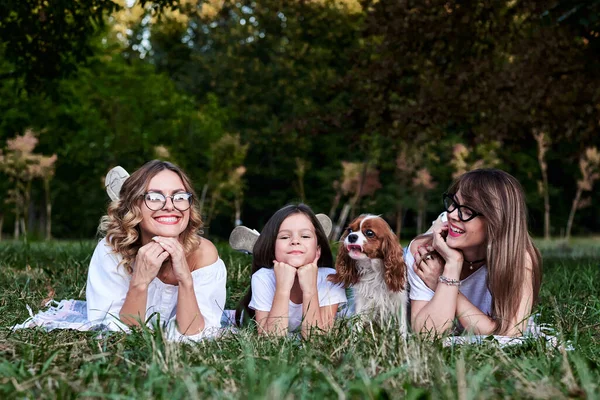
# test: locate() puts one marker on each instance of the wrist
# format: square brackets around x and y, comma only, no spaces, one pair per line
[283,292]
[138,285]
[452,269]
[308,294]
[186,283]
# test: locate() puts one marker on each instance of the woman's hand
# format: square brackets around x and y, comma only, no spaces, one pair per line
[451,256]
[285,275]
[428,265]
[148,261]
[173,247]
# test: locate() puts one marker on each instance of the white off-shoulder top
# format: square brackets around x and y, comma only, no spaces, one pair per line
[108,284]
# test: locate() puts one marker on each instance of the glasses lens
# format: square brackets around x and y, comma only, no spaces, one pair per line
[182,201]
[449,203]
[465,213]
[154,201]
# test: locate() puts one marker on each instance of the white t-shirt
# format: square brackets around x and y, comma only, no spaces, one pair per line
[108,284]
[474,287]
[263,292]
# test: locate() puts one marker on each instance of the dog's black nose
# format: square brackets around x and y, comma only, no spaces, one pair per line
[352,237]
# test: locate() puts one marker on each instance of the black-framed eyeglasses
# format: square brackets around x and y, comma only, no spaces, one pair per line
[156,200]
[465,213]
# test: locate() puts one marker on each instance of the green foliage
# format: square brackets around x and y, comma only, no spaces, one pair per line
[47,40]
[318,82]
[377,364]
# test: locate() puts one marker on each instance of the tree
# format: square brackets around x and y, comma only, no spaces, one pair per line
[589,165]
[48,40]
[225,177]
[21,165]
[542,141]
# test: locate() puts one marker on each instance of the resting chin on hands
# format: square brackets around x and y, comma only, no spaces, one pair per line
[148,262]
[453,259]
[307,277]
[175,250]
[285,275]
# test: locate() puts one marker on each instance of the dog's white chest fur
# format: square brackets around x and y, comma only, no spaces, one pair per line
[373,298]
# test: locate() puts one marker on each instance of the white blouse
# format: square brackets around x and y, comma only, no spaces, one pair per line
[108,284]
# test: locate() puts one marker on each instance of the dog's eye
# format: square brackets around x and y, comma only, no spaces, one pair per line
[369,233]
[349,230]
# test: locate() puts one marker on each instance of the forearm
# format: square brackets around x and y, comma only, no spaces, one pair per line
[277,320]
[189,318]
[438,314]
[312,316]
[472,318]
[133,312]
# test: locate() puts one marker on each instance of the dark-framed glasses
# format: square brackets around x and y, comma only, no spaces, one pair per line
[465,213]
[156,200]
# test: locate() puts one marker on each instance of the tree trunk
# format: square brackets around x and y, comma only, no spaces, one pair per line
[16,232]
[23,228]
[399,215]
[335,204]
[356,199]
[238,211]
[48,210]
[546,215]
[341,222]
[572,214]
[544,168]
[542,141]
[1,225]
[26,201]
[420,213]
[203,198]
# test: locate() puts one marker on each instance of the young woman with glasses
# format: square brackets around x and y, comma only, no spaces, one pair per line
[477,269]
[152,265]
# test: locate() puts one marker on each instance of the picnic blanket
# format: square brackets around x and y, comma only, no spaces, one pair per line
[72,314]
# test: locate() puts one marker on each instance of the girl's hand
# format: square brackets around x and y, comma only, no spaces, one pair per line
[450,256]
[308,274]
[285,275]
[148,261]
[181,270]
[428,265]
[307,278]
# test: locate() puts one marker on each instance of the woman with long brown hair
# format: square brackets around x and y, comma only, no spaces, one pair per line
[480,267]
[152,263]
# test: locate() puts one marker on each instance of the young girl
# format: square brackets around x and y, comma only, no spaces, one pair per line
[480,266]
[290,265]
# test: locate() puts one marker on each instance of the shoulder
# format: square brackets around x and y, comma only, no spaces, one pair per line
[265,274]
[205,254]
[104,252]
[324,272]
[263,277]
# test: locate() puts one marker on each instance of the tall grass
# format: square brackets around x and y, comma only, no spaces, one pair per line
[376,364]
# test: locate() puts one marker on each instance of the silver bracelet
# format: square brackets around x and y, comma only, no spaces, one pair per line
[448,281]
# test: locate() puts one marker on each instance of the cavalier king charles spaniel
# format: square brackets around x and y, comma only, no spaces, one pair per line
[370,261]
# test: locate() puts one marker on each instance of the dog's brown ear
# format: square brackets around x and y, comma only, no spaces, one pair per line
[395,268]
[345,272]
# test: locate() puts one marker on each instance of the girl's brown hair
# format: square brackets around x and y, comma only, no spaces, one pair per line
[263,253]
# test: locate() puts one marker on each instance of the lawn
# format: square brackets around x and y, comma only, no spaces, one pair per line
[69,364]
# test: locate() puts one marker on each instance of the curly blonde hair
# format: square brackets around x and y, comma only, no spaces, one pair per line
[121,224]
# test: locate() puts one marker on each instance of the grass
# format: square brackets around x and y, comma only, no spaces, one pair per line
[69,364]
